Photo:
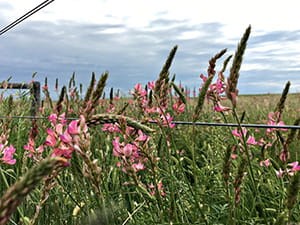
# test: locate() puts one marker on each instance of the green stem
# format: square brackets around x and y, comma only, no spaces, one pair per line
[7,186]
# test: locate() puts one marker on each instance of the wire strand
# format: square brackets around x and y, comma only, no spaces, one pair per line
[186,123]
[25,16]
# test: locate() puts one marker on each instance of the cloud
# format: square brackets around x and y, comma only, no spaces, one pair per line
[132,55]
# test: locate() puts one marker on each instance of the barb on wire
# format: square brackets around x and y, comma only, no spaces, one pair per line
[25,16]
[186,123]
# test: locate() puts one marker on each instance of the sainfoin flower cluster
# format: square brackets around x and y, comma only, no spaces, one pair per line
[155,113]
[130,147]
[61,138]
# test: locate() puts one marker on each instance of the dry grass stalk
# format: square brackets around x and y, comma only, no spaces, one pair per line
[280,105]
[89,91]
[232,81]
[111,118]
[162,85]
[179,92]
[292,192]
[239,178]
[99,89]
[16,193]
[164,73]
[225,63]
[292,133]
[227,165]
[58,106]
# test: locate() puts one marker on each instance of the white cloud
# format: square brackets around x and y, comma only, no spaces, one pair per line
[133,37]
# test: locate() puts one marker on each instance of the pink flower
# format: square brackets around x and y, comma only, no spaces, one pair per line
[265,163]
[139,90]
[234,156]
[62,118]
[138,166]
[59,128]
[151,85]
[203,77]
[8,154]
[53,118]
[111,128]
[51,138]
[167,120]
[273,118]
[284,155]
[66,137]
[128,150]
[142,137]
[295,166]
[220,108]
[251,140]
[279,173]
[237,133]
[65,152]
[116,147]
[73,127]
[30,146]
[179,107]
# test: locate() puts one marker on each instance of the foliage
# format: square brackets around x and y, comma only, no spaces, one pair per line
[124,161]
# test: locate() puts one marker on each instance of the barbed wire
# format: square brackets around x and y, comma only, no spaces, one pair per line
[185,123]
[25,16]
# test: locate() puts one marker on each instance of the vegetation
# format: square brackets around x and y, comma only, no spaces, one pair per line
[91,160]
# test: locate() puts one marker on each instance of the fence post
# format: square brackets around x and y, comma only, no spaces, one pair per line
[35,91]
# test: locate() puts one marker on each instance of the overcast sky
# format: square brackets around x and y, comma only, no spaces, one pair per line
[132,38]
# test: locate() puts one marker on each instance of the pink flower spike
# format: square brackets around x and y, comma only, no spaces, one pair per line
[251,140]
[151,85]
[203,77]
[73,127]
[284,156]
[8,154]
[295,166]
[111,128]
[62,118]
[138,166]
[142,137]
[53,118]
[117,148]
[237,133]
[65,137]
[59,128]
[219,108]
[128,149]
[50,140]
[138,89]
[179,108]
[167,120]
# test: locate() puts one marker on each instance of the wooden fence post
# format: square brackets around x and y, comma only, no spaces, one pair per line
[35,91]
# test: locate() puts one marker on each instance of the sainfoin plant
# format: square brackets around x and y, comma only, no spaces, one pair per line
[122,159]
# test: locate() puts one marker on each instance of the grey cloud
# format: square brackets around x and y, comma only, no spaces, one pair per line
[130,55]
[276,36]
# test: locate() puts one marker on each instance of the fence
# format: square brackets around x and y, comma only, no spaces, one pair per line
[35,91]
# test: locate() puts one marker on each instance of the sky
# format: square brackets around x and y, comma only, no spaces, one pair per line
[131,39]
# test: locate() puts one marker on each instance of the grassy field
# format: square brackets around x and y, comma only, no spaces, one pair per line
[122,160]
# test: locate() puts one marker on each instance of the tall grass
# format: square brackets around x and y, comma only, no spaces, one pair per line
[123,161]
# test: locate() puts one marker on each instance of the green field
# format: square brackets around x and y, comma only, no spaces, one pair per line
[123,161]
